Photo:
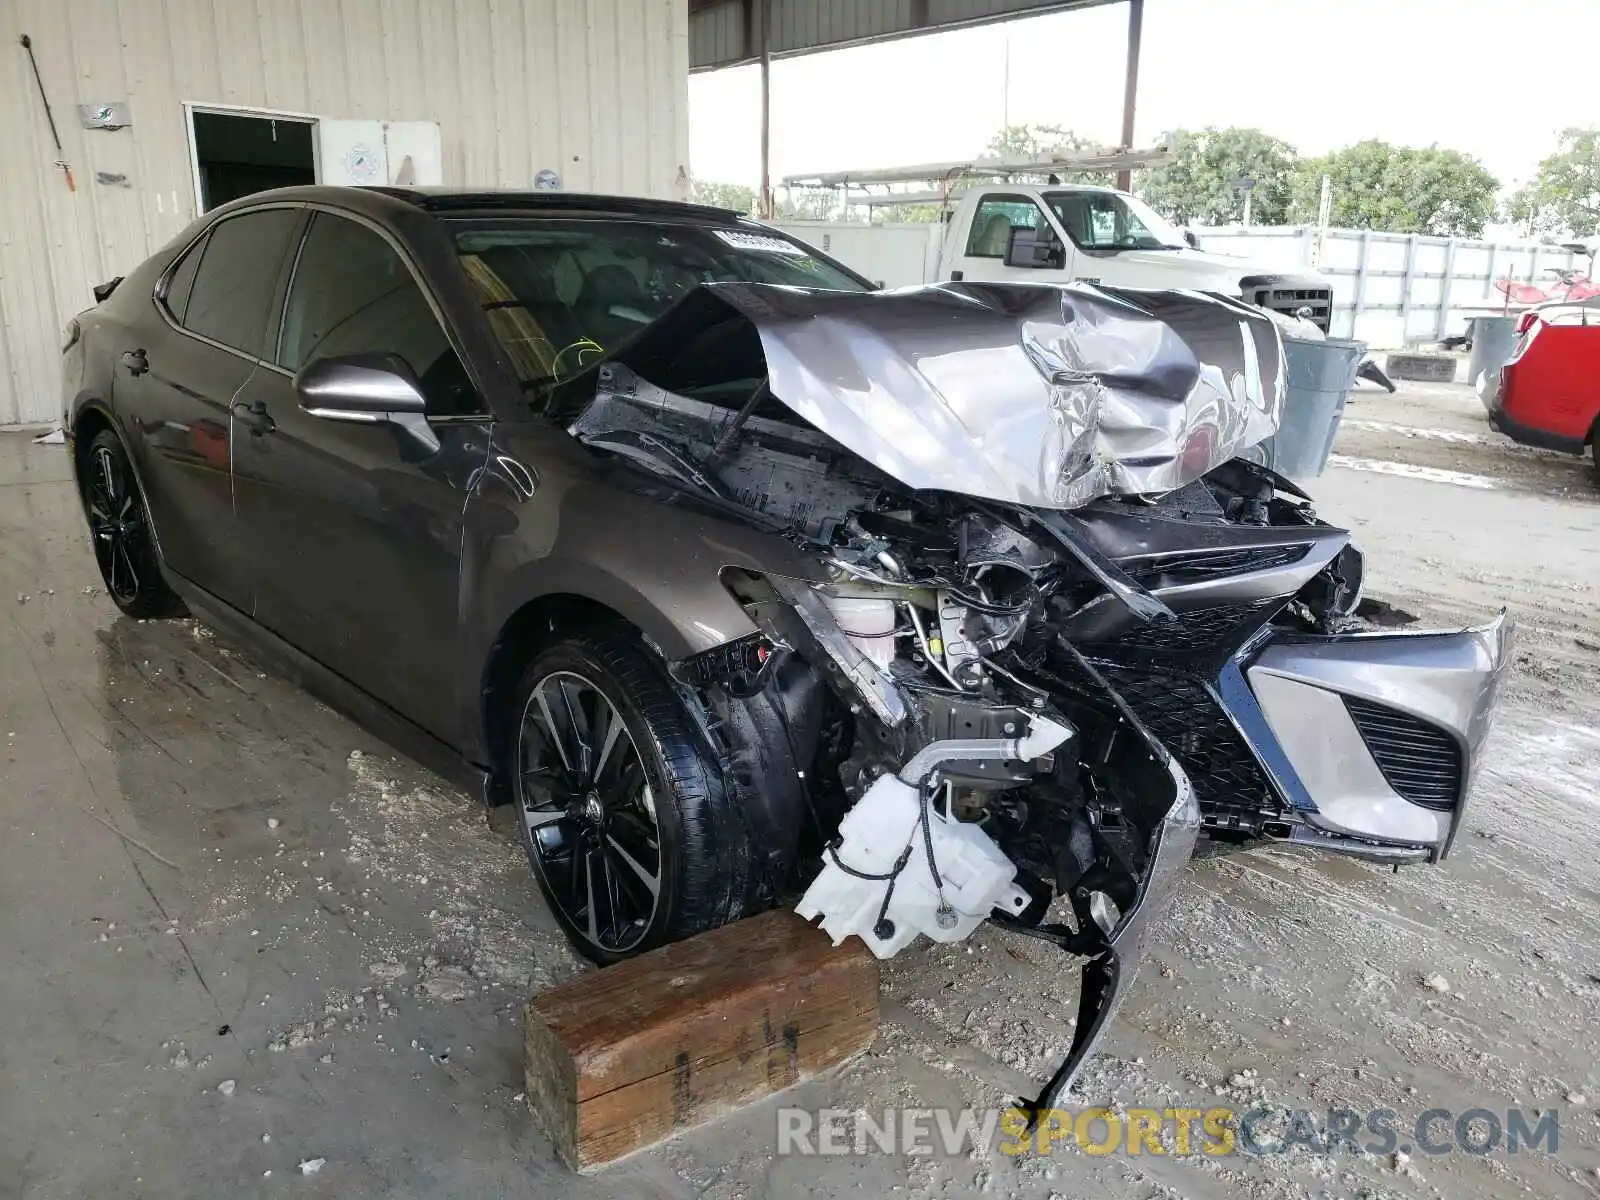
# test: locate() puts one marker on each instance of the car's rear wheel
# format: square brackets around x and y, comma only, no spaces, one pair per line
[622,808]
[119,525]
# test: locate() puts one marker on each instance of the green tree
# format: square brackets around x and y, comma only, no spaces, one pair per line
[1198,181]
[1565,195]
[1035,141]
[1398,189]
[1041,141]
[723,195]
[1526,209]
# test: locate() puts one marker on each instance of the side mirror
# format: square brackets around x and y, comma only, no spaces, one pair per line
[1192,238]
[1033,248]
[369,389]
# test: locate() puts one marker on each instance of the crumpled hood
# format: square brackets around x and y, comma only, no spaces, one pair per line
[1043,395]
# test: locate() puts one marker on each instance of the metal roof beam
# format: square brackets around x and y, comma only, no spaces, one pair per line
[725,33]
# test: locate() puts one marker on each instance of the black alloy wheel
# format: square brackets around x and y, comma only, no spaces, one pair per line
[621,804]
[590,812]
[119,526]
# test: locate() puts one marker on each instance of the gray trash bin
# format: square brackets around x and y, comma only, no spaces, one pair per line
[1321,374]
[1493,339]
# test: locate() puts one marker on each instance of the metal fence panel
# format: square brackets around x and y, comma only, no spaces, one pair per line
[1391,289]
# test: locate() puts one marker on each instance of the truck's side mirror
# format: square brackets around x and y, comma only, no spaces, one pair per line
[1035,248]
[1192,238]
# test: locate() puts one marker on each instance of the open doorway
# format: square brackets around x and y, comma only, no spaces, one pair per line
[239,154]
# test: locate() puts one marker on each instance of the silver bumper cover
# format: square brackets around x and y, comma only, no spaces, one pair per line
[1436,691]
[1107,976]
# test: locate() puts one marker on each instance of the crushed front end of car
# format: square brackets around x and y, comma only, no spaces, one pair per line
[1057,626]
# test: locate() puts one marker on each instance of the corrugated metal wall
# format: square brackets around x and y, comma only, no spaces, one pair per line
[596,89]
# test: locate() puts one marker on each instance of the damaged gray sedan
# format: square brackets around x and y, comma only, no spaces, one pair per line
[749,585]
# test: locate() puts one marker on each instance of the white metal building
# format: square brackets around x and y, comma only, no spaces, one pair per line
[215,98]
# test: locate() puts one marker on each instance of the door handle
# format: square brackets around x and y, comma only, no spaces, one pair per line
[135,361]
[255,416]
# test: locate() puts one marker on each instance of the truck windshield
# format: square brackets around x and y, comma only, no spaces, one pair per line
[560,294]
[1097,220]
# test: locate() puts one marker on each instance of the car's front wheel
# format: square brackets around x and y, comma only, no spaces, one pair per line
[119,525]
[622,807]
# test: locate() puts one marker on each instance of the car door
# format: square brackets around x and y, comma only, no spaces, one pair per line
[355,528]
[176,376]
[983,258]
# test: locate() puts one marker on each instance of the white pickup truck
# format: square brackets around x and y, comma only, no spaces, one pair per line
[1047,233]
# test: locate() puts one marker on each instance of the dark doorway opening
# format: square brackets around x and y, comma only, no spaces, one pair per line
[239,155]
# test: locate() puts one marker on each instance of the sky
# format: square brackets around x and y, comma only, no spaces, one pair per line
[1493,78]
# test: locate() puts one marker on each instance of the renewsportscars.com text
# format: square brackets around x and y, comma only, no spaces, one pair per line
[1213,1131]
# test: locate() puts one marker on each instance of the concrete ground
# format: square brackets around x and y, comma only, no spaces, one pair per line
[240,935]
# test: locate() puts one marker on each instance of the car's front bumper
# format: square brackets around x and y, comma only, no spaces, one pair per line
[1109,972]
[1374,738]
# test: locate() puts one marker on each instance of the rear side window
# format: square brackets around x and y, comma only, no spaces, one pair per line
[238,276]
[181,281]
[994,220]
[352,294]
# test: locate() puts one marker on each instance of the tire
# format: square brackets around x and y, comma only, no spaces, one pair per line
[119,527]
[655,808]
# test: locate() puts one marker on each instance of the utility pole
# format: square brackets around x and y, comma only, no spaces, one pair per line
[1246,187]
[764,8]
[1130,91]
[1005,86]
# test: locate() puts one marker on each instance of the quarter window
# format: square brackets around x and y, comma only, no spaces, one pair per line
[238,277]
[181,281]
[994,220]
[352,294]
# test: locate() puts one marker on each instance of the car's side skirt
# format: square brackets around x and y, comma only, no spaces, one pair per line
[370,713]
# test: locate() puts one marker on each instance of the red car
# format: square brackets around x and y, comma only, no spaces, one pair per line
[1548,393]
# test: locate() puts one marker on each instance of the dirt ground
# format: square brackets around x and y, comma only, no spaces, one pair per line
[240,935]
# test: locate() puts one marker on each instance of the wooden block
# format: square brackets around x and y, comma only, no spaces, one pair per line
[619,1059]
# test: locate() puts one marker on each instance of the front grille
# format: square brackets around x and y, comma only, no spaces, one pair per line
[1421,761]
[1177,569]
[1215,628]
[1179,710]
[1292,300]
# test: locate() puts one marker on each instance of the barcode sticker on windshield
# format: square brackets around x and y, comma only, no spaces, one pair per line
[760,241]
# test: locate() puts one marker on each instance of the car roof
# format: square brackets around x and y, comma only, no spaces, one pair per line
[397,207]
[381,201]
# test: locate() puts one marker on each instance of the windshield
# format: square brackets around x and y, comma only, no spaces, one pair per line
[1097,220]
[561,294]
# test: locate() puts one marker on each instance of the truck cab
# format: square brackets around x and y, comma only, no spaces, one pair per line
[1053,233]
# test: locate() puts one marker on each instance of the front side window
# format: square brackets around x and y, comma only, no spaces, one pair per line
[1110,221]
[237,278]
[560,294]
[352,294]
[995,218]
